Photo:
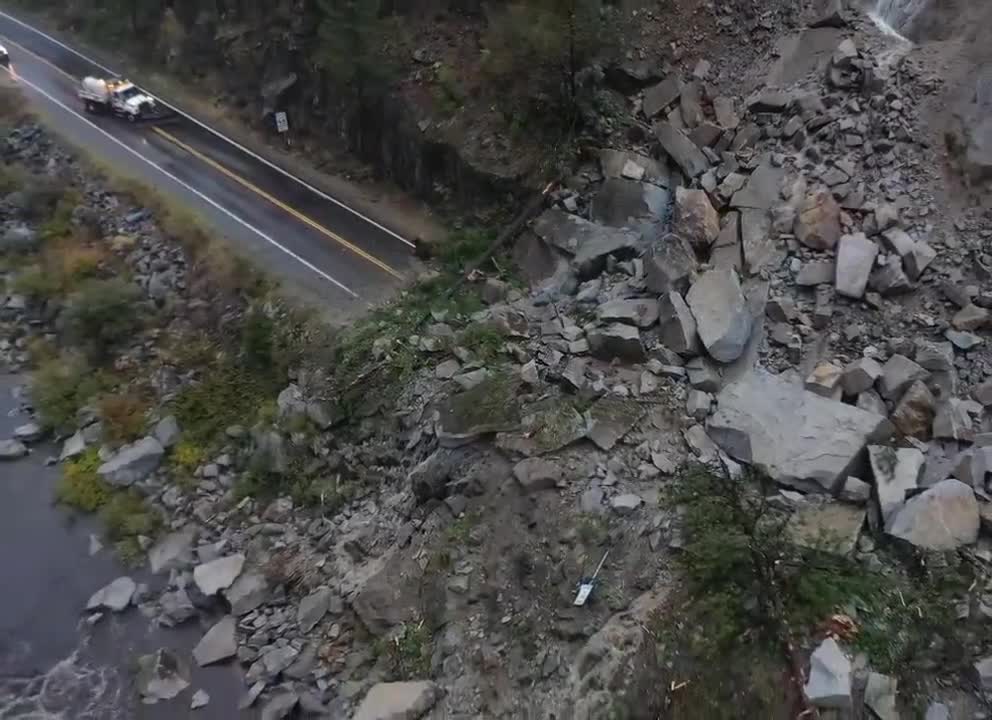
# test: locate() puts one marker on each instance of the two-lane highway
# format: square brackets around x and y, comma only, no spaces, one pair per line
[317,245]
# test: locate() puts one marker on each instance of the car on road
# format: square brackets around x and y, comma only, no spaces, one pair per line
[4,56]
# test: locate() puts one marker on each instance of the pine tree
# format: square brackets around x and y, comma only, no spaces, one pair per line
[350,37]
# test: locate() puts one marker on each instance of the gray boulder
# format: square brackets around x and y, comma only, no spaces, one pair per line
[880,696]
[818,222]
[696,221]
[247,592]
[829,684]
[681,149]
[617,341]
[945,517]
[312,608]
[660,96]
[280,706]
[536,474]
[219,643]
[12,450]
[398,701]
[678,326]
[133,463]
[723,320]
[161,676]
[19,239]
[116,596]
[795,436]
[589,243]
[622,203]
[855,258]
[167,431]
[217,575]
[670,266]
[641,312]
[898,373]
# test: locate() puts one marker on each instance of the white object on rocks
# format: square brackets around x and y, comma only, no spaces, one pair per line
[945,517]
[829,684]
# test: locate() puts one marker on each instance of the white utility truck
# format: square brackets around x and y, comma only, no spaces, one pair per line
[118,97]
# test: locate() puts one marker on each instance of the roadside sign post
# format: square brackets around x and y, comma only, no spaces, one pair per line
[282,125]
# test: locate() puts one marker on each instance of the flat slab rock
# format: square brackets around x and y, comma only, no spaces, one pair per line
[797,437]
[945,517]
[398,701]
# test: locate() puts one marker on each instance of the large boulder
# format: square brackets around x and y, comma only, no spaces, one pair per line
[589,243]
[174,551]
[797,437]
[247,592]
[695,219]
[398,701]
[681,149]
[723,320]
[617,341]
[642,312]
[623,203]
[678,326]
[115,597]
[945,517]
[313,607]
[133,463]
[855,259]
[217,575]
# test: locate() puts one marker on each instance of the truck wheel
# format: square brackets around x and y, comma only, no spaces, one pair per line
[132,118]
[88,106]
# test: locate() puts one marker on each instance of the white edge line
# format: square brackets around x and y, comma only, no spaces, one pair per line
[217,133]
[184,185]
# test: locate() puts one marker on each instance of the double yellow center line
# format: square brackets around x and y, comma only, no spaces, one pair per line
[241,181]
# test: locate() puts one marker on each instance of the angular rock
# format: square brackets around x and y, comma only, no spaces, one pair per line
[855,258]
[983,674]
[953,421]
[880,696]
[723,320]
[536,474]
[695,219]
[167,431]
[763,188]
[610,419]
[817,272]
[590,243]
[640,312]
[312,608]
[622,203]
[827,13]
[698,404]
[983,393]
[660,96]
[818,222]
[398,701]
[176,608]
[945,517]
[825,380]
[626,504]
[278,658]
[861,375]
[132,463]
[174,551]
[29,432]
[726,251]
[898,373]
[726,114]
[12,450]
[795,437]
[247,592]
[219,574]
[617,341]
[855,491]
[897,473]
[73,447]
[703,374]
[670,266]
[200,699]
[829,684]
[678,326]
[914,413]
[219,643]
[757,241]
[279,706]
[971,317]
[681,149]
[487,408]
[615,163]
[889,279]
[116,596]
[161,676]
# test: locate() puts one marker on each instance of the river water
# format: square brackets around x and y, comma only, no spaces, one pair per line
[53,665]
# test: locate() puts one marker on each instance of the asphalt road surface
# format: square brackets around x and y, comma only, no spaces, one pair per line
[319,247]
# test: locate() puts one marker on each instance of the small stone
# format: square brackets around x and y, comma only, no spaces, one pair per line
[964,341]
[398,701]
[698,404]
[447,369]
[12,450]
[825,380]
[529,373]
[953,421]
[167,431]
[312,608]
[678,326]
[617,341]
[200,699]
[695,219]
[818,221]
[703,374]
[855,491]
[914,413]
[536,474]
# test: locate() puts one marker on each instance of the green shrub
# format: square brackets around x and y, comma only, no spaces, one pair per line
[101,315]
[226,396]
[36,284]
[127,515]
[187,457]
[60,387]
[80,487]
[124,416]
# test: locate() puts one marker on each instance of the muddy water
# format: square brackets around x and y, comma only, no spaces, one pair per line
[53,665]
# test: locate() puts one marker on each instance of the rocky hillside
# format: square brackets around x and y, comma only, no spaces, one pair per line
[744,397]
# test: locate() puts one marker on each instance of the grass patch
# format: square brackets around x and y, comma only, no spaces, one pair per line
[486,341]
[227,395]
[60,387]
[101,315]
[408,654]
